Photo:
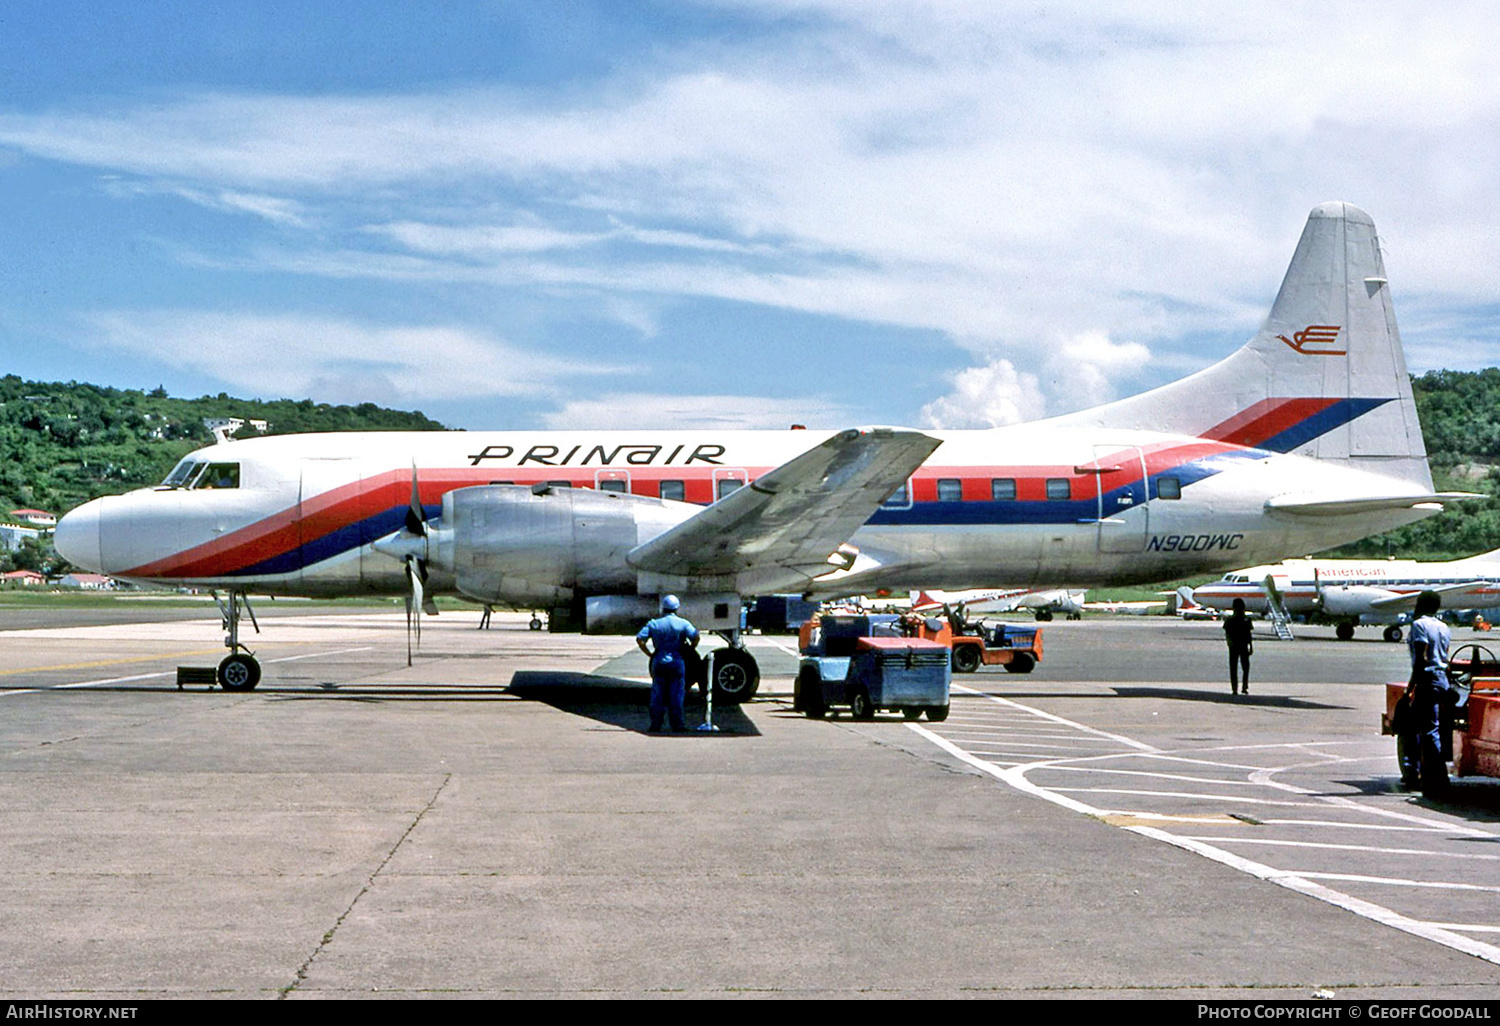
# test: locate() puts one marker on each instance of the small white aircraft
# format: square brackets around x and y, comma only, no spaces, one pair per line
[1188,608]
[1042,604]
[1348,592]
[1305,438]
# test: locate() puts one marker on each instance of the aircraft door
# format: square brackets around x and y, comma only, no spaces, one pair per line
[612,481]
[727,480]
[1124,513]
[330,514]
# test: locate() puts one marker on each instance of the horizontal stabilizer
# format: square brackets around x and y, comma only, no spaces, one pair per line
[1312,505]
[795,517]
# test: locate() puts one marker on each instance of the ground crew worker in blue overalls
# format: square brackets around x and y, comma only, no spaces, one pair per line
[1426,694]
[669,635]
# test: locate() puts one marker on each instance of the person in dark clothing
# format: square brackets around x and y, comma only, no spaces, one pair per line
[1238,633]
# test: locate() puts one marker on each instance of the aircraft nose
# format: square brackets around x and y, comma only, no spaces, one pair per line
[76,537]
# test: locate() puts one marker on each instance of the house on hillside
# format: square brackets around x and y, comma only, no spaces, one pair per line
[36,517]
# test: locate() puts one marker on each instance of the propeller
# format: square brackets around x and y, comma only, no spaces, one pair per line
[410,546]
[416,567]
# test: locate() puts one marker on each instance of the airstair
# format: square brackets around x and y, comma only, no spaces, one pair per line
[1280,622]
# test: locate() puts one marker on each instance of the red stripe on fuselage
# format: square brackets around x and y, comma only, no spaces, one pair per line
[1267,419]
[339,507]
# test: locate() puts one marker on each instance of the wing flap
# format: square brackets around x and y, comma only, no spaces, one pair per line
[796,516]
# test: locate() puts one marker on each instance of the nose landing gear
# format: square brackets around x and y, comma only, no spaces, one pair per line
[239,670]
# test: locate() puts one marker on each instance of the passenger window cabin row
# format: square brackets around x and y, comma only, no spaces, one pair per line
[949,489]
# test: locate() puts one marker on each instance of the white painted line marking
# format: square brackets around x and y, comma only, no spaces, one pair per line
[1227,839]
[1469,927]
[1118,738]
[167,673]
[1302,885]
[1015,777]
[1023,744]
[1234,798]
[1388,881]
[1361,826]
[1107,771]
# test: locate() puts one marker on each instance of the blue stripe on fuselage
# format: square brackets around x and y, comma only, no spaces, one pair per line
[1335,416]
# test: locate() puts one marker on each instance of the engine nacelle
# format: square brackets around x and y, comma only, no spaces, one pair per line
[624,614]
[1352,600]
[539,547]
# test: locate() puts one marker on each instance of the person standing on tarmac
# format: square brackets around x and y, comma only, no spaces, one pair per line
[669,636]
[1238,633]
[1426,693]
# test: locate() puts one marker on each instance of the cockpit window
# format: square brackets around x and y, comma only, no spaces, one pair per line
[182,473]
[219,475]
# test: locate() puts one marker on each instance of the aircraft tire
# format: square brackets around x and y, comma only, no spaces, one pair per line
[1392,633]
[859,705]
[1344,631]
[937,713]
[238,672]
[1022,663]
[735,675]
[1044,615]
[965,658]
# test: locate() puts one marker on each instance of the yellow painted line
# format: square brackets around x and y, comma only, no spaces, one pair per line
[108,662]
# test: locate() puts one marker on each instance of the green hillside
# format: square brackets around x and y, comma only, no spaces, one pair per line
[63,444]
[1460,412]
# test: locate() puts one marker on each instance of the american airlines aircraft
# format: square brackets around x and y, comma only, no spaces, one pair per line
[1348,592]
[1305,438]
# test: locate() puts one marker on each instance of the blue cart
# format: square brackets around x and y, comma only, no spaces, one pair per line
[867,663]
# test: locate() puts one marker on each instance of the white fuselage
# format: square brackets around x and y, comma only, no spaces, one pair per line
[1371,590]
[1017,506]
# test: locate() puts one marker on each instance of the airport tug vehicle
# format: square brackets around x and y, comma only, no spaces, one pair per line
[975,643]
[1470,722]
[871,662]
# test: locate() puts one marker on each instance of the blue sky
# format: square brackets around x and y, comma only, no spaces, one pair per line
[721,213]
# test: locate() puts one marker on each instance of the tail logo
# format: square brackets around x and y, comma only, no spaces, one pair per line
[1316,340]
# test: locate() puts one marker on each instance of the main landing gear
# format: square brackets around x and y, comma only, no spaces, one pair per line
[733,671]
[239,670]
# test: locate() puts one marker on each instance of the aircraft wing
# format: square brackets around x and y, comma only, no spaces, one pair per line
[1314,505]
[790,521]
[1409,601]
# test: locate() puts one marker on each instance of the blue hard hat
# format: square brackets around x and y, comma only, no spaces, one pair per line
[669,604]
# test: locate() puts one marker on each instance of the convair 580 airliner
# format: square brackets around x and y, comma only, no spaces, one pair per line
[1305,438]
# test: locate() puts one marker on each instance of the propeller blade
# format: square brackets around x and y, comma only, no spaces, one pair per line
[416,516]
[416,571]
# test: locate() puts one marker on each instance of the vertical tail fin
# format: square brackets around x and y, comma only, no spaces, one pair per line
[1324,377]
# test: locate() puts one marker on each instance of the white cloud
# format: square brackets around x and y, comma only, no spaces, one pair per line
[1078,373]
[1006,176]
[989,396]
[335,360]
